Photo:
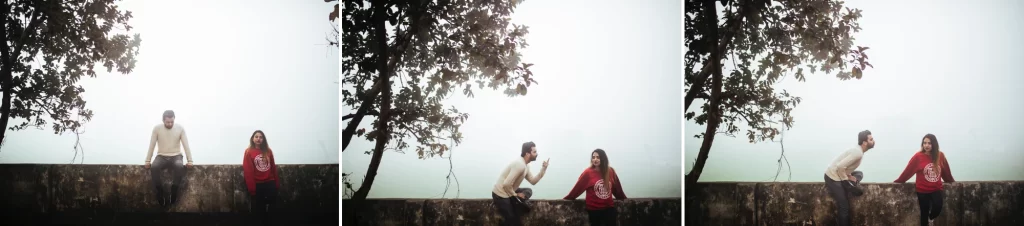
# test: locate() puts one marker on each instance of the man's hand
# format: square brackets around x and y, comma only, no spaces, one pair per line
[147,165]
[521,195]
[189,165]
[546,163]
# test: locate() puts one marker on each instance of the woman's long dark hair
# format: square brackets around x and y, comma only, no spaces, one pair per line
[935,152]
[264,147]
[603,168]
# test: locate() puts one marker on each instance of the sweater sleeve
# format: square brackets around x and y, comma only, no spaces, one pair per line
[184,145]
[249,173]
[908,172]
[152,146]
[581,185]
[514,172]
[843,166]
[947,175]
[617,186]
[534,179]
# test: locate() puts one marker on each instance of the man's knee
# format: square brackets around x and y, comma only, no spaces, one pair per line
[526,192]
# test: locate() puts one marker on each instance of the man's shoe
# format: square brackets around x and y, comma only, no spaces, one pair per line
[856,191]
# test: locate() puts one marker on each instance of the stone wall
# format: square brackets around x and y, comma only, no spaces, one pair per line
[966,203]
[101,193]
[420,212]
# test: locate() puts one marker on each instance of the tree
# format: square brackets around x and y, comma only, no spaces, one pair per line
[425,50]
[45,49]
[783,37]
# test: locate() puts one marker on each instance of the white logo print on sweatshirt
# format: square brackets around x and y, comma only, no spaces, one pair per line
[602,191]
[262,164]
[929,173]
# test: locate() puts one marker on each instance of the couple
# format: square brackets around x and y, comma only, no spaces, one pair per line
[598,180]
[928,164]
[260,170]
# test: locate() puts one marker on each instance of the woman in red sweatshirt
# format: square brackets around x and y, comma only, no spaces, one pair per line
[600,182]
[260,175]
[929,177]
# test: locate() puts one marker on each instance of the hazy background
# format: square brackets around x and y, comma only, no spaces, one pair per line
[950,68]
[609,77]
[226,68]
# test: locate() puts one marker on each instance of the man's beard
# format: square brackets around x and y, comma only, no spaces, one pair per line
[534,158]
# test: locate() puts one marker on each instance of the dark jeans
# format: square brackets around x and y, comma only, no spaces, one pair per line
[263,202]
[931,205]
[841,196]
[510,215]
[161,163]
[607,216]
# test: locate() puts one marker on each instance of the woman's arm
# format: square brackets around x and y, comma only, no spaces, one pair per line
[249,171]
[581,185]
[947,175]
[909,171]
[617,186]
[273,163]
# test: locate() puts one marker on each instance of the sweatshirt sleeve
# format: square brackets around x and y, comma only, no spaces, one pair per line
[273,163]
[249,173]
[617,185]
[842,167]
[184,144]
[152,146]
[909,171]
[947,175]
[581,185]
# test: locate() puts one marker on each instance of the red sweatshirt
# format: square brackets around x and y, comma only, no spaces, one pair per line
[598,195]
[928,180]
[259,168]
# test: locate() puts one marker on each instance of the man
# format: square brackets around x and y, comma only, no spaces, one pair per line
[171,138]
[506,192]
[841,178]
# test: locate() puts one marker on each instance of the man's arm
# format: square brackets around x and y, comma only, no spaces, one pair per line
[152,146]
[534,179]
[184,144]
[513,173]
[841,167]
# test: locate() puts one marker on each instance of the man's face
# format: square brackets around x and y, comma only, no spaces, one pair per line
[871,142]
[168,122]
[533,154]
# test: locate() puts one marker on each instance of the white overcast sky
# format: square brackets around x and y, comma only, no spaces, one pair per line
[227,68]
[609,77]
[950,68]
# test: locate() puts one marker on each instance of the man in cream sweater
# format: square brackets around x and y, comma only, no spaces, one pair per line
[841,178]
[171,138]
[506,190]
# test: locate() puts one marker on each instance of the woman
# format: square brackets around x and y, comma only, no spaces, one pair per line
[260,174]
[931,168]
[600,182]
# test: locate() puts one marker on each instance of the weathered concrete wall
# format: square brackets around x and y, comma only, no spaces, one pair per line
[966,203]
[388,212]
[98,190]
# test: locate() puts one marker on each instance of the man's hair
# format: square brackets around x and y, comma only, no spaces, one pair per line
[863,136]
[527,147]
[168,114]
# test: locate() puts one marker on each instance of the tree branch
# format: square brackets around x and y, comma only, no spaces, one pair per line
[733,25]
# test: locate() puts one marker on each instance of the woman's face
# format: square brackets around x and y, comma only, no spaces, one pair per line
[258,139]
[926,144]
[595,159]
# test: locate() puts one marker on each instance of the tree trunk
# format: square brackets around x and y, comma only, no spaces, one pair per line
[385,102]
[716,92]
[6,68]
[733,27]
